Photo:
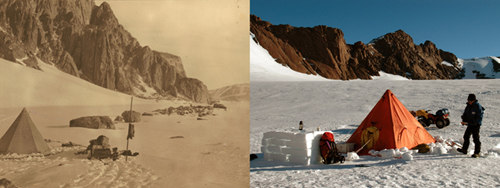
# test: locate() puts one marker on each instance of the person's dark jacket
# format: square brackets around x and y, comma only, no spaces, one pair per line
[473,114]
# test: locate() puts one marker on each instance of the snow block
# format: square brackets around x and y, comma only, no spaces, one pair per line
[299,160]
[407,156]
[387,154]
[352,156]
[297,152]
[277,142]
[267,156]
[271,134]
[292,144]
[302,137]
[274,149]
[299,147]
[265,142]
[264,150]
[278,157]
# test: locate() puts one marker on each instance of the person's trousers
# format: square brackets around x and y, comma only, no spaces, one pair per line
[474,131]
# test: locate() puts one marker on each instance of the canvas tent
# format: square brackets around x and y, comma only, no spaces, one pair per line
[389,125]
[23,137]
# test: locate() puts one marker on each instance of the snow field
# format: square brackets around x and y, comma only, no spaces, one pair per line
[211,152]
[76,172]
[339,107]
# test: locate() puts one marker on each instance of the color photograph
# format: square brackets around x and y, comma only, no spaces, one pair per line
[374,93]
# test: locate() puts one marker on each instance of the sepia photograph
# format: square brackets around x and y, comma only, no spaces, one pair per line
[124,93]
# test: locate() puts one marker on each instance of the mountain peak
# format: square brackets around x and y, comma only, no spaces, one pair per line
[103,16]
[86,40]
[322,50]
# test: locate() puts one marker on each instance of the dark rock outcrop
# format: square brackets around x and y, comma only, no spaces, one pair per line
[186,110]
[131,117]
[147,114]
[93,122]
[87,41]
[193,89]
[322,50]
[4,182]
[403,57]
[119,118]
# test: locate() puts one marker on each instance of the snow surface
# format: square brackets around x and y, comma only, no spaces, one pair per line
[174,151]
[340,106]
[263,67]
[21,83]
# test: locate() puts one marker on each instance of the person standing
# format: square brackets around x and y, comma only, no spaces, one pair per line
[472,118]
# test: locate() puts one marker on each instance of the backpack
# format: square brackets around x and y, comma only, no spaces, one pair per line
[328,149]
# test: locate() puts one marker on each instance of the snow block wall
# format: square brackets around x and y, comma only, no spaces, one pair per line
[294,147]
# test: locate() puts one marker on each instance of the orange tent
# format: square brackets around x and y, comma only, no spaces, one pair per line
[389,126]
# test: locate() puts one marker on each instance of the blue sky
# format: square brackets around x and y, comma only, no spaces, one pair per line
[466,28]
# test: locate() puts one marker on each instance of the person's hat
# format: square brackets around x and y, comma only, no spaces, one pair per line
[471,97]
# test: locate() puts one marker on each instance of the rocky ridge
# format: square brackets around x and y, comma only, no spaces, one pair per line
[322,50]
[87,41]
[238,92]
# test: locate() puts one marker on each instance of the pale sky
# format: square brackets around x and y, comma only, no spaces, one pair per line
[211,36]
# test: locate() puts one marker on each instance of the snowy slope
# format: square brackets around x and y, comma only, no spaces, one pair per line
[489,66]
[51,87]
[264,68]
[238,92]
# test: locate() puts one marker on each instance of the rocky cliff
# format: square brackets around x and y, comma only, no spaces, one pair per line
[322,50]
[87,41]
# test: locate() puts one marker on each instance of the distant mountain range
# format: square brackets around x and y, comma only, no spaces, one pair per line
[87,41]
[322,50]
[239,92]
[480,68]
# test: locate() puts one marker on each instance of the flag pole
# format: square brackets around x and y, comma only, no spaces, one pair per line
[129,122]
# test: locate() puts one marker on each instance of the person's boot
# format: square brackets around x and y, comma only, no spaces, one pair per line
[477,147]
[461,150]
[475,155]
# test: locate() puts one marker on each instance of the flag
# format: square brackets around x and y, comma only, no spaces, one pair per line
[131,131]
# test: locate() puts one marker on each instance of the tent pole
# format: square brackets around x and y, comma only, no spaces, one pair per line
[126,154]
[131,100]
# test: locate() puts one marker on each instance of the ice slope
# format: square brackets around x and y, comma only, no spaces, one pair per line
[489,66]
[25,86]
[264,68]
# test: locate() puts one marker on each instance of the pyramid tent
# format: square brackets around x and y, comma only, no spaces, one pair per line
[389,126]
[23,137]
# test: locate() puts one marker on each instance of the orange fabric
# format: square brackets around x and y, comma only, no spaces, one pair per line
[396,126]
